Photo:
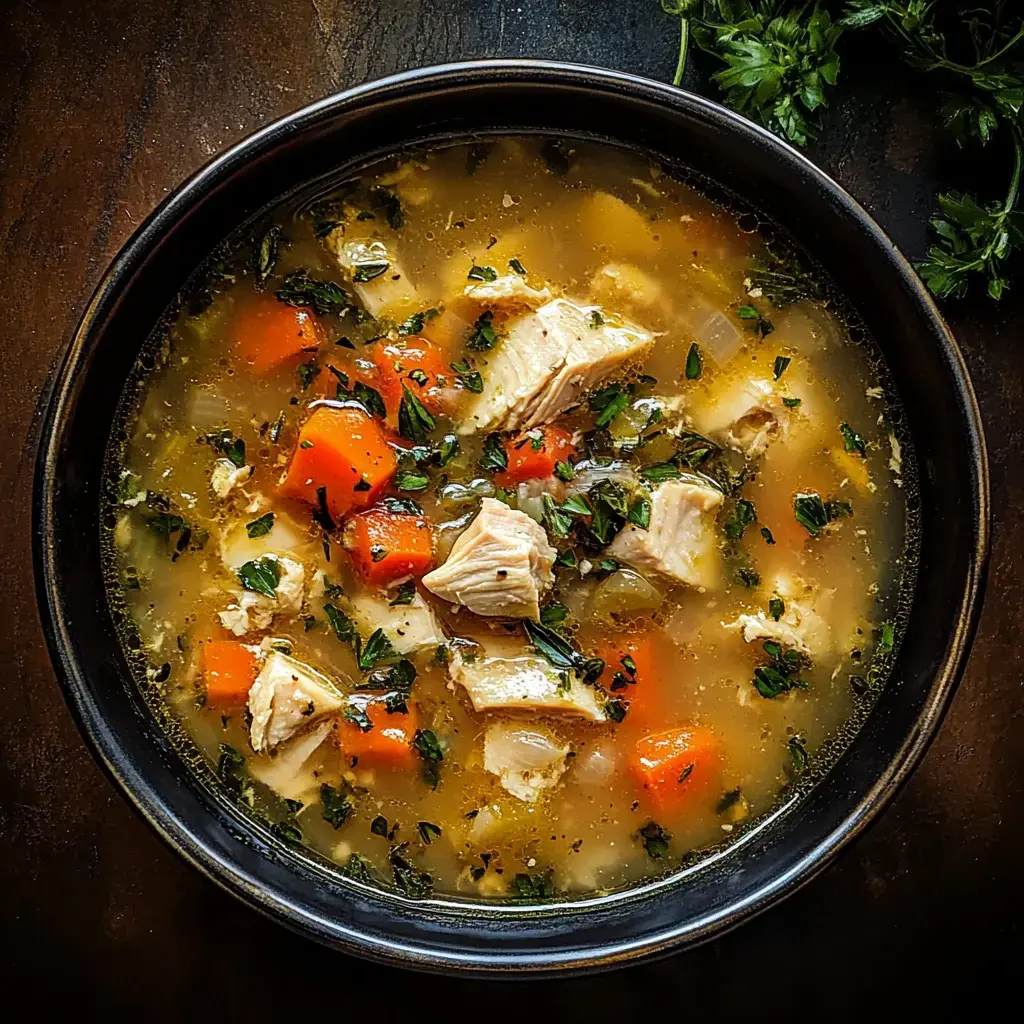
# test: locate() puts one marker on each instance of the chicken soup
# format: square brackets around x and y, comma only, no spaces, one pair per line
[513,520]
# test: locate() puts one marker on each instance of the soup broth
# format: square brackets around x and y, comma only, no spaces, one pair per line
[511,520]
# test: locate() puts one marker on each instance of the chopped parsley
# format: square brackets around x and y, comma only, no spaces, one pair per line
[655,839]
[482,274]
[483,337]
[814,513]
[742,516]
[852,441]
[517,266]
[781,362]
[776,608]
[534,887]
[694,363]
[414,422]
[640,512]
[377,648]
[324,297]
[404,594]
[261,576]
[779,676]
[260,527]
[337,807]
[608,403]
[428,747]
[494,457]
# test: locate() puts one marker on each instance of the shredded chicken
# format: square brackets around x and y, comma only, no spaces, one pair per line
[249,610]
[680,541]
[226,476]
[547,360]
[286,696]
[499,566]
[502,677]
[389,293]
[750,417]
[799,627]
[410,627]
[509,292]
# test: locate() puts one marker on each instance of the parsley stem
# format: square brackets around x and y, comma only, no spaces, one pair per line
[684,42]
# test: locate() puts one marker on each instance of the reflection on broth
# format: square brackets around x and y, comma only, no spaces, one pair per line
[510,521]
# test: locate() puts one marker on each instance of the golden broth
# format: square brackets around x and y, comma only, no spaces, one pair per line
[602,227]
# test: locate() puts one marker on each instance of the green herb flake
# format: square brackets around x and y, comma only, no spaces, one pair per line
[482,274]
[261,576]
[743,515]
[767,534]
[337,807]
[483,337]
[377,648]
[534,887]
[414,422]
[776,608]
[323,297]
[494,457]
[517,266]
[427,745]
[428,831]
[655,839]
[781,362]
[798,753]
[260,527]
[887,638]
[564,471]
[792,403]
[852,441]
[405,594]
[694,362]
[640,513]
[266,256]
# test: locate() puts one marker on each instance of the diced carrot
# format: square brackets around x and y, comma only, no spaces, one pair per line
[676,766]
[344,451]
[228,669]
[270,335]
[388,744]
[642,689]
[532,454]
[412,362]
[386,545]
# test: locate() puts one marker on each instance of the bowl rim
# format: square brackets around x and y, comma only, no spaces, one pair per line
[103,743]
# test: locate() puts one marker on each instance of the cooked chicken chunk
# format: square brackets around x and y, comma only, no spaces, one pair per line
[499,566]
[527,759]
[593,352]
[515,372]
[291,771]
[226,476]
[503,677]
[546,361]
[410,627]
[249,610]
[680,542]
[799,627]
[286,696]
[510,292]
[749,416]
[389,292]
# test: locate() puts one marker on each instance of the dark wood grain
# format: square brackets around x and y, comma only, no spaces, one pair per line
[106,106]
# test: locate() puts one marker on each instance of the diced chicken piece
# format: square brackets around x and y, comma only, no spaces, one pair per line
[499,566]
[749,416]
[800,626]
[250,610]
[593,353]
[292,771]
[527,759]
[390,292]
[510,292]
[546,361]
[287,696]
[515,372]
[502,677]
[226,476]
[410,627]
[680,542]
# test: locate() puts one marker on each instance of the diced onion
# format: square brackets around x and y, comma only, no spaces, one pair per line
[718,337]
[206,409]
[624,595]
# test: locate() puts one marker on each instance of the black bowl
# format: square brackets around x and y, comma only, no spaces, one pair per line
[454,102]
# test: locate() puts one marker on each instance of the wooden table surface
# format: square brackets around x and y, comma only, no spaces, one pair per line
[104,107]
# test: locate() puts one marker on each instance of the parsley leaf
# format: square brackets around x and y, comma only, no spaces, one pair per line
[414,422]
[261,576]
[260,527]
[483,337]
[323,297]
